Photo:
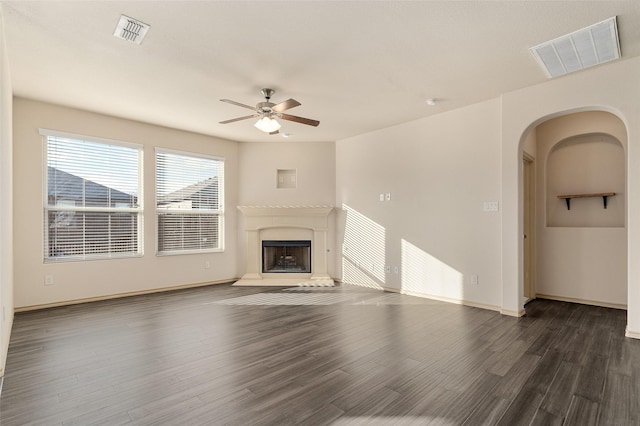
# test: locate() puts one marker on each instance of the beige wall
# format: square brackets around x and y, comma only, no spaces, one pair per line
[612,88]
[89,279]
[582,252]
[6,202]
[439,172]
[314,163]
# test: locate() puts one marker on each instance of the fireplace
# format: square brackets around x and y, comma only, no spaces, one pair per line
[289,256]
[301,263]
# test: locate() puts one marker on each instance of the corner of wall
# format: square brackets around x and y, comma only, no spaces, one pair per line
[6,201]
[632,334]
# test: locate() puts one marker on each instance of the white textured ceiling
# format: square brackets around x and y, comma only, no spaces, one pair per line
[356,66]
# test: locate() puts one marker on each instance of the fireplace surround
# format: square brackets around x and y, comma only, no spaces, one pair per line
[285,223]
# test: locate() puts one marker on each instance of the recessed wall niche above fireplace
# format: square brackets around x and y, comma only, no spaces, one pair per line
[286,257]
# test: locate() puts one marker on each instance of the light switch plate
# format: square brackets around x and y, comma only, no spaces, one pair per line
[490,206]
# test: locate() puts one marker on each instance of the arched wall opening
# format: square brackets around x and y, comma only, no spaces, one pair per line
[612,88]
[581,247]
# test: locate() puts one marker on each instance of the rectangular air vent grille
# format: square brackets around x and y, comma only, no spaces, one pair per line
[131,29]
[581,49]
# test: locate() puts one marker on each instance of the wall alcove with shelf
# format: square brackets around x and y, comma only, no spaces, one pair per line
[585,182]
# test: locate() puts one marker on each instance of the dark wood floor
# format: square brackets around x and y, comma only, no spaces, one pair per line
[344,355]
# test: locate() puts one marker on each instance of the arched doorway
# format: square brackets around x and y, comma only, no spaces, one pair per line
[580,252]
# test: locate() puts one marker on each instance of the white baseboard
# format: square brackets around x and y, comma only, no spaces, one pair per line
[632,334]
[517,314]
[582,301]
[119,295]
[443,299]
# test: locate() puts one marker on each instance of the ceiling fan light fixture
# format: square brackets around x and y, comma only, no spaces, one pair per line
[267,125]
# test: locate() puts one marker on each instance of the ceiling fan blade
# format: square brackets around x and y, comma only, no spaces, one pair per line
[301,120]
[229,101]
[288,104]
[246,117]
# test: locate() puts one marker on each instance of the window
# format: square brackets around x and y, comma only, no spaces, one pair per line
[189,202]
[93,203]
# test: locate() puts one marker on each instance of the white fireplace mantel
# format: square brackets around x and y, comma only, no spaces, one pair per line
[258,219]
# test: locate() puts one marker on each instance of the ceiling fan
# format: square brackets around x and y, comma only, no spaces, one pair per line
[268,112]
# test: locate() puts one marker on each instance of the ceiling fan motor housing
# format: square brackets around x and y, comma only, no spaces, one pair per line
[265,107]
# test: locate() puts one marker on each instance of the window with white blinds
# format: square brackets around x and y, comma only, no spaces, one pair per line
[189,202]
[93,203]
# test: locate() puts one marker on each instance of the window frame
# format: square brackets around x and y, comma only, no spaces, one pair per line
[47,208]
[220,212]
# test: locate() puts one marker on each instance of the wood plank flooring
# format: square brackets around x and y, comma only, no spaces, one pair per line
[318,356]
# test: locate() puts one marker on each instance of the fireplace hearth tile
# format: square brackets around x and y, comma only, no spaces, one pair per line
[285,282]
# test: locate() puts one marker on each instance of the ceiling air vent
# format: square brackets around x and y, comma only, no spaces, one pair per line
[581,49]
[131,29]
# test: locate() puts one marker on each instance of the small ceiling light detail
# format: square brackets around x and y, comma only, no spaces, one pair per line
[131,29]
[267,125]
[431,101]
[286,135]
[590,46]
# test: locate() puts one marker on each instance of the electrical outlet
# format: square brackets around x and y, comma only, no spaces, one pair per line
[474,279]
[381,197]
[388,196]
[207,264]
[396,270]
[48,280]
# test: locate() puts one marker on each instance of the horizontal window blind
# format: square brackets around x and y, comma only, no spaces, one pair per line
[93,205]
[189,209]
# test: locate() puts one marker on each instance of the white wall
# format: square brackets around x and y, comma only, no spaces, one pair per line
[611,88]
[314,163]
[6,202]
[439,172]
[89,279]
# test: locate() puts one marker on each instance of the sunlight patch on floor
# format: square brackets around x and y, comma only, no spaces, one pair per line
[311,298]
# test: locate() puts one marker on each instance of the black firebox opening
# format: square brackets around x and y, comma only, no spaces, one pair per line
[293,256]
